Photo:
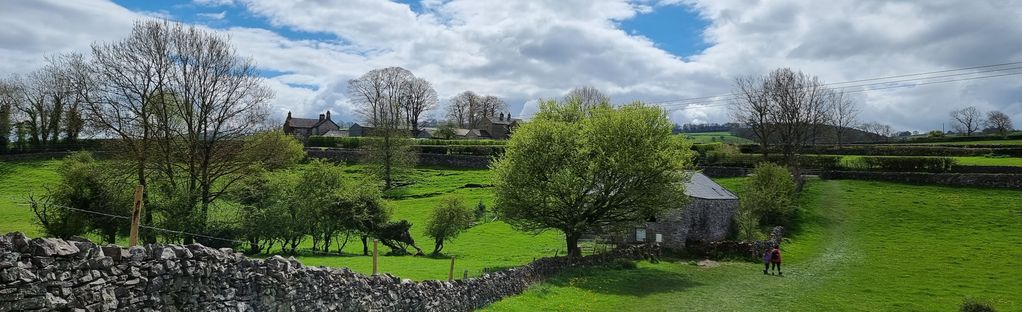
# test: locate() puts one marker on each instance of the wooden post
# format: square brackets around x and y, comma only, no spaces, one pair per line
[465,276]
[136,215]
[374,255]
[450,274]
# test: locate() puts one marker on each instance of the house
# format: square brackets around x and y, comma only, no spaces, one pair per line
[357,130]
[706,217]
[303,128]
[498,127]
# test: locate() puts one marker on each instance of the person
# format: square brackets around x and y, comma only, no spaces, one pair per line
[766,260]
[775,259]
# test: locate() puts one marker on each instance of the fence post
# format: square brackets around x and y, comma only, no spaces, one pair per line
[374,255]
[466,274]
[136,215]
[450,274]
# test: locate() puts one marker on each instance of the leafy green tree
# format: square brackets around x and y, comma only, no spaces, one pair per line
[448,220]
[770,194]
[274,150]
[5,126]
[87,186]
[445,132]
[579,169]
[390,155]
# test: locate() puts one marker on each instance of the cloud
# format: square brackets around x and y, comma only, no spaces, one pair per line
[213,16]
[528,50]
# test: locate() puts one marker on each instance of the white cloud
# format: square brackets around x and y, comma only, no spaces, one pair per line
[526,50]
[213,15]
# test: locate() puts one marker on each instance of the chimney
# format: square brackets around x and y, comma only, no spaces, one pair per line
[327,115]
[321,117]
[288,114]
[501,116]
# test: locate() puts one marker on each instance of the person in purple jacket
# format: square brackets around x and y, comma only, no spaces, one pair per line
[766,261]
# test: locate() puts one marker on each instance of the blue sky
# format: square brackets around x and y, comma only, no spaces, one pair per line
[677,29]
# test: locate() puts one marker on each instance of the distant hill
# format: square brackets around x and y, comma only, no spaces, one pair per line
[825,135]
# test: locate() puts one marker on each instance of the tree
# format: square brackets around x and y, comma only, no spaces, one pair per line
[1000,122]
[801,105]
[419,99]
[83,200]
[379,96]
[181,103]
[882,130]
[448,220]
[752,108]
[614,167]
[770,194]
[844,115]
[966,120]
[445,131]
[587,96]
[274,150]
[468,108]
[7,94]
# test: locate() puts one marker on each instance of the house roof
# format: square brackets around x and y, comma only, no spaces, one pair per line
[304,122]
[701,186]
[336,133]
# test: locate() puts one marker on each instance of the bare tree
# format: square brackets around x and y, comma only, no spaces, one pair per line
[7,94]
[42,98]
[586,96]
[180,101]
[460,109]
[966,120]
[1000,122]
[883,131]
[844,115]
[420,97]
[379,96]
[489,106]
[752,108]
[801,105]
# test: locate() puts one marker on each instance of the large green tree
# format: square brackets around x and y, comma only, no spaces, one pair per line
[579,169]
[448,220]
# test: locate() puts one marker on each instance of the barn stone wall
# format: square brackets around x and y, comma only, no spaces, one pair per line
[701,220]
[45,274]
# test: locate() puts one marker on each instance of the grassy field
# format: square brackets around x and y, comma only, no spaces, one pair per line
[863,246]
[712,137]
[489,245]
[972,160]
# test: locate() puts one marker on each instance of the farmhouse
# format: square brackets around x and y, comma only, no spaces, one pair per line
[706,217]
[303,128]
[497,128]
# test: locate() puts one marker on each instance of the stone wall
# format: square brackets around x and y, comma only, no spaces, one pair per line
[1010,181]
[54,274]
[700,220]
[752,251]
[425,159]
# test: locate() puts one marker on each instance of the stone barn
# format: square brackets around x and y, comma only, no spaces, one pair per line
[706,217]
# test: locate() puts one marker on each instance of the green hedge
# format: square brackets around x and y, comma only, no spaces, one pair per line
[750,160]
[897,150]
[988,137]
[901,164]
[459,142]
[473,150]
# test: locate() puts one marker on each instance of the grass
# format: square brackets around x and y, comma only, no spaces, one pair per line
[984,142]
[488,245]
[712,137]
[863,246]
[970,160]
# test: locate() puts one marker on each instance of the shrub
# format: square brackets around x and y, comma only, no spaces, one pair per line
[935,134]
[747,225]
[901,164]
[447,221]
[770,194]
[973,305]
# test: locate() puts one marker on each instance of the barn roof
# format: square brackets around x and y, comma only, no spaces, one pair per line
[701,186]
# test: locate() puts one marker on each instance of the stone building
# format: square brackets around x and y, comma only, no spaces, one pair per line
[497,128]
[303,128]
[706,217]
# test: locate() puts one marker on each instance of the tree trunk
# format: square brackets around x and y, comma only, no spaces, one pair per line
[365,245]
[439,246]
[572,241]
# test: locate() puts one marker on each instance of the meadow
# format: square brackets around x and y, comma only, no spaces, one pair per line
[713,137]
[860,246]
[967,160]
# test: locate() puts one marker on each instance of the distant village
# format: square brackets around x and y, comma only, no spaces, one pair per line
[497,127]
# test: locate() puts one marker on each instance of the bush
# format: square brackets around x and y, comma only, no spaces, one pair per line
[770,195]
[973,305]
[935,134]
[447,221]
[901,164]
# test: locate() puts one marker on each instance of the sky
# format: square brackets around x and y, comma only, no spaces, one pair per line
[656,51]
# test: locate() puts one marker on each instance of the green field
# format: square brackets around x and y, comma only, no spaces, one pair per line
[968,161]
[713,137]
[987,142]
[862,246]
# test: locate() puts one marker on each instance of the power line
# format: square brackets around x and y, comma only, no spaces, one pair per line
[701,101]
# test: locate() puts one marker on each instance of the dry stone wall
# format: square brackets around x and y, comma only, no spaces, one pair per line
[75,275]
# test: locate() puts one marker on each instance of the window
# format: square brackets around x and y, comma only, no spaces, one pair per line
[640,235]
